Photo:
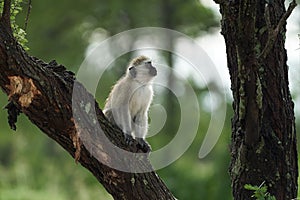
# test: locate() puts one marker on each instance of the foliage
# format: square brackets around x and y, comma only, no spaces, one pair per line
[18,32]
[260,192]
[73,25]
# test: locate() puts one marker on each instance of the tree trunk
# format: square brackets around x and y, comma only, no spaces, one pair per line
[263,143]
[44,93]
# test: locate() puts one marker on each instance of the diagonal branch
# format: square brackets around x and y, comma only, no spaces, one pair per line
[274,33]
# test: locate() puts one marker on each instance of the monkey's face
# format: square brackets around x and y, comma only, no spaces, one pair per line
[144,72]
[151,68]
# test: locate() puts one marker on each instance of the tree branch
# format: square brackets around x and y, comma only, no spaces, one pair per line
[5,18]
[274,33]
[63,109]
[27,15]
[220,1]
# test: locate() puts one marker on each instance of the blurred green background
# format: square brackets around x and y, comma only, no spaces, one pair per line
[34,167]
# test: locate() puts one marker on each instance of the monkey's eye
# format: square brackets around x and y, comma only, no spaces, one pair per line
[130,68]
[148,62]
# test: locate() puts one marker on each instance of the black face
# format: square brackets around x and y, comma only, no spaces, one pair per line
[152,70]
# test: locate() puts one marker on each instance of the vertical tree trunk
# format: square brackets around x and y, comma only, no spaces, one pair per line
[263,146]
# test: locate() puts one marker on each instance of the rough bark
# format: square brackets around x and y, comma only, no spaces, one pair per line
[43,92]
[263,144]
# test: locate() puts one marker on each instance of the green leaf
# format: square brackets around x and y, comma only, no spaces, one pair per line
[18,32]
[260,192]
[251,187]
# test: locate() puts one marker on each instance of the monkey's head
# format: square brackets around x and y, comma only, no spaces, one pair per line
[141,69]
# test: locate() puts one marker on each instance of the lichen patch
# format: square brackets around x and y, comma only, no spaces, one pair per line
[24,88]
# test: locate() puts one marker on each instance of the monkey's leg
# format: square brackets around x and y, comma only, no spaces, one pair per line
[140,127]
[122,118]
[145,146]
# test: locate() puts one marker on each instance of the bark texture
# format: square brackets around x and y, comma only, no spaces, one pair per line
[263,145]
[44,93]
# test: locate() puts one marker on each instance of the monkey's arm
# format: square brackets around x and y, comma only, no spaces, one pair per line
[123,119]
[140,125]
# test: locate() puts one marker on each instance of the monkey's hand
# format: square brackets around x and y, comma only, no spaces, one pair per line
[144,145]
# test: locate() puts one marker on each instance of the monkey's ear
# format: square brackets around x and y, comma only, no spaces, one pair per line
[132,72]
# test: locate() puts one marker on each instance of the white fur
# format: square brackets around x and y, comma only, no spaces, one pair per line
[129,101]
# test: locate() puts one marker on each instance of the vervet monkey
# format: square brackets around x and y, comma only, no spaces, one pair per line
[129,100]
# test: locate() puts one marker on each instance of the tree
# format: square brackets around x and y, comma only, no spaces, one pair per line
[263,139]
[263,148]
[43,92]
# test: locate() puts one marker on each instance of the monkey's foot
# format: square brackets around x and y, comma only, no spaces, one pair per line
[128,139]
[144,145]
